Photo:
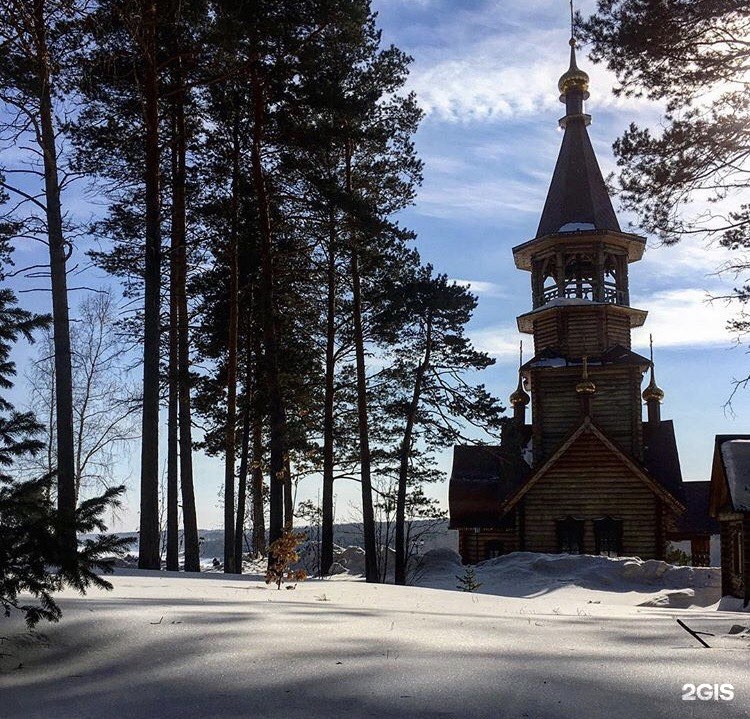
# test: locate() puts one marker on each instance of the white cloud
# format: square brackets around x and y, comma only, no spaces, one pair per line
[445,165]
[481,287]
[680,318]
[684,318]
[480,198]
[501,342]
[688,257]
[510,73]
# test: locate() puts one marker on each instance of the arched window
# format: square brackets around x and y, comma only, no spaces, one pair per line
[549,280]
[608,536]
[569,535]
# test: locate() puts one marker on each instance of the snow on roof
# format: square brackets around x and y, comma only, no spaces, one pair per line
[736,456]
[577,226]
[564,301]
[550,362]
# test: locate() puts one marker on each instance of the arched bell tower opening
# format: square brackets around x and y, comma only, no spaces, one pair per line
[594,271]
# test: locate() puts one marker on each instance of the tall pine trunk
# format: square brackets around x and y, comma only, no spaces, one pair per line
[288,498]
[326,540]
[268,317]
[189,517]
[403,473]
[239,530]
[66,479]
[368,512]
[231,425]
[259,519]
[173,520]
[256,468]
[148,556]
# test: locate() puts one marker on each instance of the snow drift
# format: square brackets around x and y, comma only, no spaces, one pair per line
[528,574]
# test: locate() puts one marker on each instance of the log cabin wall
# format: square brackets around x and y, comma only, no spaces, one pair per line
[576,331]
[589,482]
[732,539]
[477,546]
[557,407]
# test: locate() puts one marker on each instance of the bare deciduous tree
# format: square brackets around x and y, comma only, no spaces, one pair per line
[105,402]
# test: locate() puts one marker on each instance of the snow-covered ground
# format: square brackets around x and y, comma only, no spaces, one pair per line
[544,637]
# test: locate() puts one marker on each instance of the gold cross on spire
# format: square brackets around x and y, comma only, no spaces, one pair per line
[572,22]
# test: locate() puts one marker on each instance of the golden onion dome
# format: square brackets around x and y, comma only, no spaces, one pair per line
[653,391]
[574,77]
[520,396]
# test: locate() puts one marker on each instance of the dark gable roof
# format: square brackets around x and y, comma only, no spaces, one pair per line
[482,478]
[617,354]
[663,462]
[577,194]
[660,455]
[588,426]
[696,520]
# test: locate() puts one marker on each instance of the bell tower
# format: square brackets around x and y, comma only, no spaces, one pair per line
[587,474]
[581,316]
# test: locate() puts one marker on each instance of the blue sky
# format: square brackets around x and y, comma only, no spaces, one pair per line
[485,72]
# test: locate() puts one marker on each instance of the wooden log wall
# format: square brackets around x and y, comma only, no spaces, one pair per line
[473,546]
[579,330]
[589,482]
[616,406]
[732,580]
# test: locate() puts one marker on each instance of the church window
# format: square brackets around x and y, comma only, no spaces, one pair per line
[570,535]
[493,548]
[608,536]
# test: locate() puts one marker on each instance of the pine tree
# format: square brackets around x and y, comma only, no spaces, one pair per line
[132,135]
[34,556]
[118,138]
[693,57]
[35,38]
[360,166]
[468,581]
[427,395]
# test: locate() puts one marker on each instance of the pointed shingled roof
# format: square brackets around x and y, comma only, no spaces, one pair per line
[577,197]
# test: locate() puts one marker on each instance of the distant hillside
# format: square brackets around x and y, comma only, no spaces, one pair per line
[212,540]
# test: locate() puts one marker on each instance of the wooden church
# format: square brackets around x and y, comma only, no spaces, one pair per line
[587,474]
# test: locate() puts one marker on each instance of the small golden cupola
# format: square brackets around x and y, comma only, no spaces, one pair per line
[586,389]
[574,82]
[653,395]
[586,386]
[520,399]
[573,78]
